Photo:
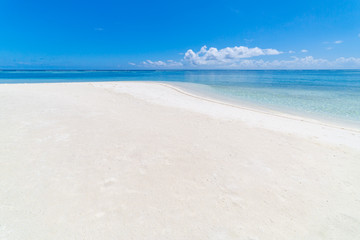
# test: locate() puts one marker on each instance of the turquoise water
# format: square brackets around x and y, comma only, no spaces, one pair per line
[333,95]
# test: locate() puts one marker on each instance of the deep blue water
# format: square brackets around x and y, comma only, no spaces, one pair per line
[326,94]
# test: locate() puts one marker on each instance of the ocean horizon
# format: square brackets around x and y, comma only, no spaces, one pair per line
[331,95]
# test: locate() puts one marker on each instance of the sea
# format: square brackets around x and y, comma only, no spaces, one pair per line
[326,95]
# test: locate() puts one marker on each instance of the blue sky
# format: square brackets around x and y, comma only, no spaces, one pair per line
[159,34]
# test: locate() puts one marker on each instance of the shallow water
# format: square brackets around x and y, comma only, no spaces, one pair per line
[325,94]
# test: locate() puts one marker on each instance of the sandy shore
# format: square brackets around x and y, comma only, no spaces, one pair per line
[149,161]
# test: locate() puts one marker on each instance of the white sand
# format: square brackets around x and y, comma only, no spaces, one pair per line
[146,161]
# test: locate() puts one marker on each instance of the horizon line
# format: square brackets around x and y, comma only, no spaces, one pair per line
[119,70]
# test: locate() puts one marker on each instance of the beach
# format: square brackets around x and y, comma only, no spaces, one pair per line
[137,160]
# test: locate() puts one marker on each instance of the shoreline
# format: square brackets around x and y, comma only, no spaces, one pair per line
[265,110]
[287,113]
[338,124]
[255,117]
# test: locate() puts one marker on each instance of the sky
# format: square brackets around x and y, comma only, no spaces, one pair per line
[157,34]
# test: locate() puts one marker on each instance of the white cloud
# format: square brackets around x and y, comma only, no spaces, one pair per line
[241,58]
[338,41]
[293,63]
[291,51]
[228,55]
[167,64]
[349,61]
[132,64]
[156,63]
[173,63]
